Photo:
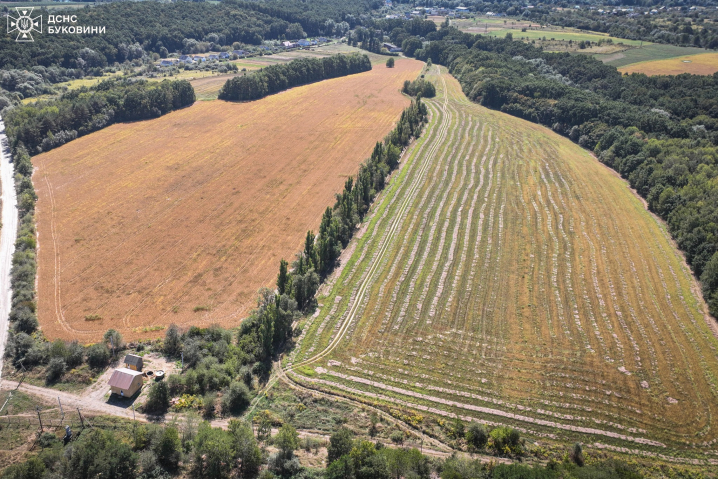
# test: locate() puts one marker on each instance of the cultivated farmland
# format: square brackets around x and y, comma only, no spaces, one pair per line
[702,64]
[182,218]
[506,276]
[655,51]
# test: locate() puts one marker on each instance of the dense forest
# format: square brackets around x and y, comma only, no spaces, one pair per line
[660,132]
[137,28]
[674,24]
[44,125]
[302,71]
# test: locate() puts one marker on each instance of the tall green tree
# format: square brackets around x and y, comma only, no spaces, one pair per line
[282,277]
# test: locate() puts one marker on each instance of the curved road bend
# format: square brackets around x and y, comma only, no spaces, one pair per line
[7,236]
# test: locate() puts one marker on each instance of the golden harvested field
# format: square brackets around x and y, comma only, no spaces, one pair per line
[701,64]
[507,277]
[182,218]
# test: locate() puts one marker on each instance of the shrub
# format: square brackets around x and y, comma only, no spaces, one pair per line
[173,341]
[24,320]
[55,370]
[175,384]
[577,454]
[113,338]
[58,349]
[390,63]
[340,443]
[168,448]
[476,436]
[158,399]
[397,437]
[208,405]
[75,354]
[98,356]
[505,439]
[236,399]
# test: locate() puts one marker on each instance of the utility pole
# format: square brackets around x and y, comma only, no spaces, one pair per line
[82,420]
[39,418]
[62,413]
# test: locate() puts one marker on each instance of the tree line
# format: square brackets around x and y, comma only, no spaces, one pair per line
[301,71]
[44,125]
[189,448]
[320,253]
[659,132]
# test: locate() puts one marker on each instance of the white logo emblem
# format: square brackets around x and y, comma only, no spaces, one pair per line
[24,24]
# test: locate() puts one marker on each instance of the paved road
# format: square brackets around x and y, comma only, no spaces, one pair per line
[7,236]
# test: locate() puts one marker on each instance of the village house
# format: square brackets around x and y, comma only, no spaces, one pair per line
[125,382]
[134,362]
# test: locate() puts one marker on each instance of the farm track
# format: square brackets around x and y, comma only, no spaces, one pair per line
[507,275]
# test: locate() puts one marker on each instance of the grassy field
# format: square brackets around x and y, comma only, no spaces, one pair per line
[648,53]
[182,218]
[507,277]
[701,64]
[499,28]
[576,36]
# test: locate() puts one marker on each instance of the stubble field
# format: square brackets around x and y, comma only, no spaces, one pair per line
[508,277]
[182,218]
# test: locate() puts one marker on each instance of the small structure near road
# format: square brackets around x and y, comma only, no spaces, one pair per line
[134,362]
[125,382]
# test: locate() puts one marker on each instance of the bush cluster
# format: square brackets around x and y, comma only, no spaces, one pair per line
[419,87]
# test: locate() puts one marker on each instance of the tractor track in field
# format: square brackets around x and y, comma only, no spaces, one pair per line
[394,227]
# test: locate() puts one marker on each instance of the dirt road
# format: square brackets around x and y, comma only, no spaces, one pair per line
[7,236]
[85,403]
